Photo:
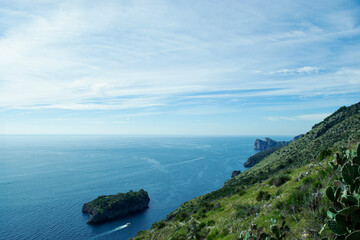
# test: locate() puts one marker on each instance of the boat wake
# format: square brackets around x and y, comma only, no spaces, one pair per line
[111,231]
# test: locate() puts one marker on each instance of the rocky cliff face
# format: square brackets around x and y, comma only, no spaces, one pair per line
[267,144]
[106,208]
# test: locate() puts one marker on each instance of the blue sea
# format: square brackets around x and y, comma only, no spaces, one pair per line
[45,180]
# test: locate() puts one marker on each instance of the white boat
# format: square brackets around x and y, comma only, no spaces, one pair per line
[127,225]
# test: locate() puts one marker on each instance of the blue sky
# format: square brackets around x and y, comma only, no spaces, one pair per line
[176,67]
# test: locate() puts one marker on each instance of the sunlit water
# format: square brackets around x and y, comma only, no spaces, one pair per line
[45,180]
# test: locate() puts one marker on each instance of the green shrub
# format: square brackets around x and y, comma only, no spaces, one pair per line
[316,185]
[158,225]
[263,195]
[213,234]
[182,216]
[298,198]
[161,225]
[195,231]
[243,210]
[325,153]
[280,180]
[308,180]
[241,192]
[179,236]
[279,192]
[210,223]
[280,205]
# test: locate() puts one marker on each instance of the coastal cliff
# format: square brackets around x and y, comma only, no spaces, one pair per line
[268,143]
[110,207]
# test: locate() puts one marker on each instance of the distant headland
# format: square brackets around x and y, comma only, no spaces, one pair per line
[267,147]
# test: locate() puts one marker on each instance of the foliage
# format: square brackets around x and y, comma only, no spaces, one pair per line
[243,210]
[302,202]
[182,216]
[159,225]
[121,200]
[344,195]
[325,153]
[196,231]
[280,180]
[263,195]
[277,232]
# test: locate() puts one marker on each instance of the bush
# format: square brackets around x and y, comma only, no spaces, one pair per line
[246,210]
[317,185]
[210,223]
[195,231]
[182,216]
[280,180]
[263,195]
[325,153]
[279,192]
[202,225]
[161,225]
[308,180]
[158,225]
[241,192]
[280,205]
[213,234]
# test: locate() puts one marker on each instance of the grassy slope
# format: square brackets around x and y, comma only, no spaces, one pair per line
[225,213]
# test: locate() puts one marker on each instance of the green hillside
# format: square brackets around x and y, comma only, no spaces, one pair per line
[289,185]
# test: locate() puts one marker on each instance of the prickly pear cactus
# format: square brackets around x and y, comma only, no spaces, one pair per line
[344,195]
[277,232]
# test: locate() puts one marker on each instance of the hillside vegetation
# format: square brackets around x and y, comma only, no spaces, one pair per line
[258,157]
[285,192]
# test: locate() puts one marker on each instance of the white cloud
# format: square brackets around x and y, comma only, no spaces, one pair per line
[107,55]
[308,117]
[313,117]
[306,69]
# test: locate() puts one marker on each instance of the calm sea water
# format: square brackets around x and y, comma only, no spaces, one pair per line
[45,180]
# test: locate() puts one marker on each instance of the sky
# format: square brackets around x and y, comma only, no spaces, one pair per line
[176,67]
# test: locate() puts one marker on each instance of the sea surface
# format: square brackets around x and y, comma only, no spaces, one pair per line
[45,180]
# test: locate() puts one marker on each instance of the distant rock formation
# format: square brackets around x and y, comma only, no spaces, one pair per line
[268,143]
[235,173]
[110,207]
[268,147]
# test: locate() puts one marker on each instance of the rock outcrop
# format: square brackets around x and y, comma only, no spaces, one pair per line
[110,207]
[268,143]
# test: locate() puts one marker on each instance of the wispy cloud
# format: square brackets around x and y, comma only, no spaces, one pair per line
[297,70]
[203,57]
[308,117]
